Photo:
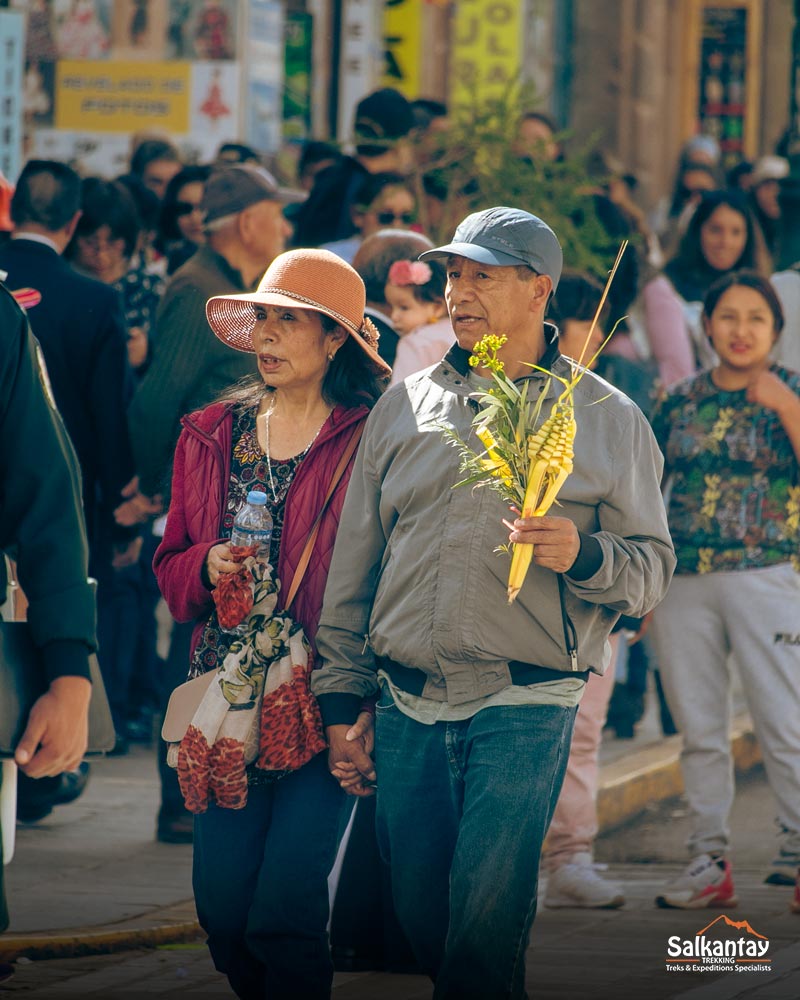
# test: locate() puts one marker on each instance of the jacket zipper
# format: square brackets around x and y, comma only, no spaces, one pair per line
[570,635]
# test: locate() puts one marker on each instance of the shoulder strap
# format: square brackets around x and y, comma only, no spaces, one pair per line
[305,557]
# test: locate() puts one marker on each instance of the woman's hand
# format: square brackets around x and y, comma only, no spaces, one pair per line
[772,393]
[219,560]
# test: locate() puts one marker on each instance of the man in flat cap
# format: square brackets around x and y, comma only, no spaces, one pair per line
[478,696]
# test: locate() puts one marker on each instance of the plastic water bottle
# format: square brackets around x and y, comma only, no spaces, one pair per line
[252,529]
[251,534]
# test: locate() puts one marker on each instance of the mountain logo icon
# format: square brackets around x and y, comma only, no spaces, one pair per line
[737,925]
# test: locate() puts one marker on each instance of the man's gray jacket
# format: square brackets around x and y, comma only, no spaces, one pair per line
[415,580]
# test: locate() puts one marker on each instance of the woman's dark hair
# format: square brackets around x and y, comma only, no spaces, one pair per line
[373,184]
[168,217]
[151,150]
[681,194]
[577,297]
[146,201]
[689,270]
[107,203]
[351,378]
[745,279]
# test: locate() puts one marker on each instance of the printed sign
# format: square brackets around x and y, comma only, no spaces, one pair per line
[487,50]
[402,36]
[122,96]
[12,54]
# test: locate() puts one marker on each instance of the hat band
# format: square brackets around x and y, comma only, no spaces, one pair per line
[312,302]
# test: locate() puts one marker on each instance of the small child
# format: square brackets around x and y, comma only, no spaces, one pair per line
[415,294]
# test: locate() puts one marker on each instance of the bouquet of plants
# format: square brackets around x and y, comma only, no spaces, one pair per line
[525,459]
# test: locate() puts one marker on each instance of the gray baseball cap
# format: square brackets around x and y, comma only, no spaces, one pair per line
[505,237]
[232,188]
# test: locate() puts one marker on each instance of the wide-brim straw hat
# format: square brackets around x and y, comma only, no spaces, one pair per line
[300,279]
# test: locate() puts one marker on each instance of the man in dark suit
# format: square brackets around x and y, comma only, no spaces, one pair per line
[41,525]
[81,328]
[80,325]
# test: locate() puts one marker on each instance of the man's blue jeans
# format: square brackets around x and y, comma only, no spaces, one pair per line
[463,808]
[261,884]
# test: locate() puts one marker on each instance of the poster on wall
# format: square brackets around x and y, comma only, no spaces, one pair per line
[723,66]
[104,154]
[486,53]
[297,76]
[82,28]
[402,36]
[214,102]
[202,29]
[12,47]
[122,96]
[264,62]
[139,29]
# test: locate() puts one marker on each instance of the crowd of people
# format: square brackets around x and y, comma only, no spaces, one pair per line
[209,331]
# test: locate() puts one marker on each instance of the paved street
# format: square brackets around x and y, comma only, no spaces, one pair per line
[597,955]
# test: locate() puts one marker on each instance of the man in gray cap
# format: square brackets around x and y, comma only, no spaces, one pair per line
[245,230]
[478,696]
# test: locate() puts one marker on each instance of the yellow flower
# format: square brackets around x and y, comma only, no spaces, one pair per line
[704,560]
[793,511]
[711,495]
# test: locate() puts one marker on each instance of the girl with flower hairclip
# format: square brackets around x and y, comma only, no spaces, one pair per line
[415,293]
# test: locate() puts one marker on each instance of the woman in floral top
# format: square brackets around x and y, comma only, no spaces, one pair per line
[731,440]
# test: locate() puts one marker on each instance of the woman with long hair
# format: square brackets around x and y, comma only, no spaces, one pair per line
[261,863]
[721,237]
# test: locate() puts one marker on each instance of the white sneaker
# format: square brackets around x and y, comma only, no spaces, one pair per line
[578,884]
[706,882]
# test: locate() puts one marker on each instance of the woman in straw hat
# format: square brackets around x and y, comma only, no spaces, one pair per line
[261,860]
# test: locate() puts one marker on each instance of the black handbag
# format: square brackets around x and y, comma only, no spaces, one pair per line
[23,680]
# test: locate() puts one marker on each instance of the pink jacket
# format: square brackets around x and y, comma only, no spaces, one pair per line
[200,478]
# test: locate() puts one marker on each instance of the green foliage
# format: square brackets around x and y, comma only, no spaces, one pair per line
[474,165]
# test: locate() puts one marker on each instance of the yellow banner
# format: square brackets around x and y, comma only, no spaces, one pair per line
[402,36]
[486,50]
[122,96]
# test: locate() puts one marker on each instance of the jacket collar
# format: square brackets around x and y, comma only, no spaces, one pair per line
[458,357]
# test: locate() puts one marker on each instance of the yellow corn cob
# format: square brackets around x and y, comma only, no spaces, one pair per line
[550,453]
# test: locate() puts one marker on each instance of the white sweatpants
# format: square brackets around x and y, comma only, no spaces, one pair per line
[755,614]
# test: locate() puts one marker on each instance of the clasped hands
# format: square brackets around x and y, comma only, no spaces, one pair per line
[349,760]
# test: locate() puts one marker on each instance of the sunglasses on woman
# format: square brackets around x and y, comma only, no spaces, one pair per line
[387,218]
[185,208]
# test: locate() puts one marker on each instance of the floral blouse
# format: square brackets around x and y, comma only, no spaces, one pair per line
[734,499]
[249,471]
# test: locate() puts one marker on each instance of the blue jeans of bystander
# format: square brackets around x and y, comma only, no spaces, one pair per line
[463,808]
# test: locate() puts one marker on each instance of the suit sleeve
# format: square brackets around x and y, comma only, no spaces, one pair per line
[161,399]
[41,517]
[110,389]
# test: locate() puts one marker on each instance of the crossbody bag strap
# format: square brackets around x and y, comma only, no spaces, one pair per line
[305,557]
